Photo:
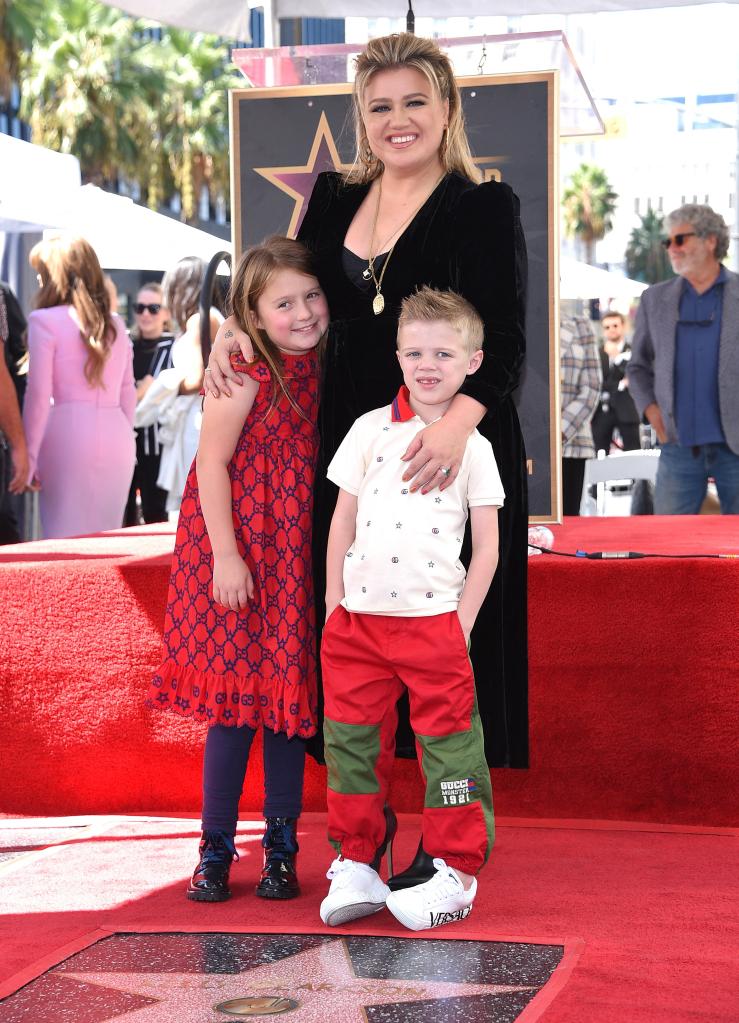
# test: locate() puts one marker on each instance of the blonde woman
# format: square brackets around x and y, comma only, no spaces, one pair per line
[411,213]
[80,399]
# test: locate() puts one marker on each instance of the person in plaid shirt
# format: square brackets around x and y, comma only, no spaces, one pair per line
[581,382]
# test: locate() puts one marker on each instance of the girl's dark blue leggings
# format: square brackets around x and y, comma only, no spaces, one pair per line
[224,768]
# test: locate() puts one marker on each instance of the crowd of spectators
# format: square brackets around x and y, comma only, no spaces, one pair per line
[100,421]
[104,423]
[677,376]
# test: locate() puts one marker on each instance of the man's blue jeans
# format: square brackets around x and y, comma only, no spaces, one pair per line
[682,478]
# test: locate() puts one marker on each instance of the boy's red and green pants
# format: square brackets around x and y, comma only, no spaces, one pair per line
[368,661]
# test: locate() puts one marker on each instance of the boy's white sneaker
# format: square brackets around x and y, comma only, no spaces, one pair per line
[356,890]
[442,900]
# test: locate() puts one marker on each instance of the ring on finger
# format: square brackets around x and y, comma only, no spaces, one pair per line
[445,470]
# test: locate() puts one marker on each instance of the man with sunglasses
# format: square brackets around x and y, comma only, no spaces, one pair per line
[684,370]
[152,352]
[616,409]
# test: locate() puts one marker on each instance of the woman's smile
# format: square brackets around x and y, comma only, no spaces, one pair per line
[403,113]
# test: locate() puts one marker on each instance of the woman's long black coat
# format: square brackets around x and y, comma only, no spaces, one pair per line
[467,238]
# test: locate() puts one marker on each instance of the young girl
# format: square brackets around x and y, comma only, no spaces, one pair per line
[239,633]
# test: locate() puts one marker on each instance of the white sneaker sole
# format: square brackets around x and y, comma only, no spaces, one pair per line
[344,914]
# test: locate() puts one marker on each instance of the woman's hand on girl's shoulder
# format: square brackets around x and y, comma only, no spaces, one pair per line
[220,372]
[233,585]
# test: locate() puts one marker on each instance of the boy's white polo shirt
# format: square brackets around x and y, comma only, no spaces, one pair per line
[405,557]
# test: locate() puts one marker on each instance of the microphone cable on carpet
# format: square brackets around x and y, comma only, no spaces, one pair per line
[623,555]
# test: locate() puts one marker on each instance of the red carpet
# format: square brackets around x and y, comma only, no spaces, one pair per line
[634,681]
[648,914]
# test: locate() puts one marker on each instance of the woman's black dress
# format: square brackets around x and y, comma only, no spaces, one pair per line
[467,238]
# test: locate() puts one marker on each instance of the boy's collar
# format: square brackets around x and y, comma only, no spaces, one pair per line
[401,411]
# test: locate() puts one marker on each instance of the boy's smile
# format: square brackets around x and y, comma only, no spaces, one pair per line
[435,359]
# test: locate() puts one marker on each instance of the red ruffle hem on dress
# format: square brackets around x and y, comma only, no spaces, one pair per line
[257,665]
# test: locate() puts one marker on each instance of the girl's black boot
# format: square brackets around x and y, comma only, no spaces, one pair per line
[279,879]
[209,883]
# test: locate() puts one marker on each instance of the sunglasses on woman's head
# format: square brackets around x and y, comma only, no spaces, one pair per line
[141,307]
[677,239]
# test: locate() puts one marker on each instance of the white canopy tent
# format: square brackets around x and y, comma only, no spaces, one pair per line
[127,236]
[580,280]
[230,18]
[40,190]
[34,185]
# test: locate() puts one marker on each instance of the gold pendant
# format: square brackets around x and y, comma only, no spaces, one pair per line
[378,304]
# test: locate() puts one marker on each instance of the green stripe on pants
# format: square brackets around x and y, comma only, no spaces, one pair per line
[457,773]
[351,755]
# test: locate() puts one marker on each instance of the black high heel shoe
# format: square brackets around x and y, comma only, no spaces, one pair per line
[391,827]
[422,869]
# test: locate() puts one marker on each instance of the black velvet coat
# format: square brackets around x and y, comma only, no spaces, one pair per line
[467,238]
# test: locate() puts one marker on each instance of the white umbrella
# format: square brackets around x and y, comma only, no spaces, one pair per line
[580,280]
[230,18]
[127,236]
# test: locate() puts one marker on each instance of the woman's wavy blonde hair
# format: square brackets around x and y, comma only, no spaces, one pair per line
[405,50]
[252,276]
[70,274]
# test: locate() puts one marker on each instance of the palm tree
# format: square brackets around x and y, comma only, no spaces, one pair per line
[646,258]
[21,21]
[191,118]
[85,88]
[589,203]
[155,112]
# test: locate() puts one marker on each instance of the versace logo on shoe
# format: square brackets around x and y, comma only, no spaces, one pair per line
[437,919]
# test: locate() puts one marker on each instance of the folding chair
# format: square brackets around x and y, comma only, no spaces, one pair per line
[621,467]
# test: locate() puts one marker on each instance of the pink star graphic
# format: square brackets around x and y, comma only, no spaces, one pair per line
[322,980]
[298,181]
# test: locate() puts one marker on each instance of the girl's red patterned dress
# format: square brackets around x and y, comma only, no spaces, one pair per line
[256,665]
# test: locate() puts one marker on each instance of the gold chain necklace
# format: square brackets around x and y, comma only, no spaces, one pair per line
[378,302]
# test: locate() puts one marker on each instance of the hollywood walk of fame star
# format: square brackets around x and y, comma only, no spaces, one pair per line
[321,979]
[298,181]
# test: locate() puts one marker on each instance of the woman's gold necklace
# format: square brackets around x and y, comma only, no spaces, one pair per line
[378,302]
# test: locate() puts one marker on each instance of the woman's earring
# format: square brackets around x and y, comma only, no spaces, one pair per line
[365,153]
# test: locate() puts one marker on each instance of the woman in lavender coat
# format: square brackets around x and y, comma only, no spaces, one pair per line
[80,401]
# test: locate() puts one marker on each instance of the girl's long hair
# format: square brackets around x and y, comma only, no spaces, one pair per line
[253,274]
[400,50]
[70,274]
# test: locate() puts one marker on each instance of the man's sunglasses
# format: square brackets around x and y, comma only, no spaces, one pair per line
[677,239]
[141,307]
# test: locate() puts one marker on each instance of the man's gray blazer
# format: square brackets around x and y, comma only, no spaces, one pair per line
[651,372]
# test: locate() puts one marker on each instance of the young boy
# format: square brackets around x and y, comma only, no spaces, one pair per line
[399,615]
